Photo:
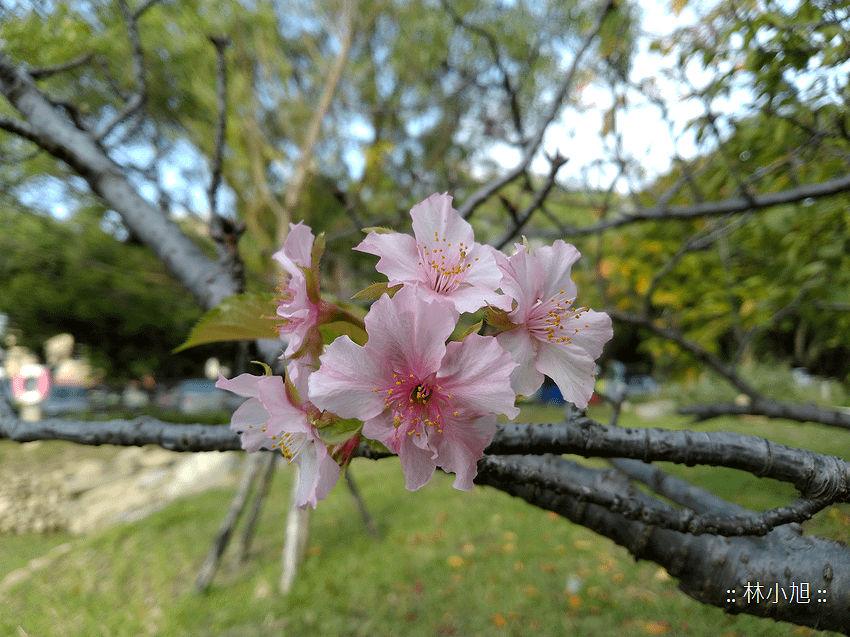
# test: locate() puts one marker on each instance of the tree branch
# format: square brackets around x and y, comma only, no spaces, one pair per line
[706,566]
[140,94]
[42,72]
[485,192]
[814,475]
[654,512]
[771,409]
[711,208]
[51,131]
[516,115]
[293,191]
[817,477]
[19,128]
[220,43]
[539,197]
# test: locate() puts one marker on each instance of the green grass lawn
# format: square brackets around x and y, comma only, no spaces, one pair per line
[450,563]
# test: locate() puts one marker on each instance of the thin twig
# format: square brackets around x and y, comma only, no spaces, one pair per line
[225,530]
[42,72]
[140,95]
[269,462]
[485,192]
[293,191]
[220,43]
[368,522]
[539,197]
[711,208]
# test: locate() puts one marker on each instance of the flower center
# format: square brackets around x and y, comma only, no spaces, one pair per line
[417,405]
[290,444]
[545,320]
[444,264]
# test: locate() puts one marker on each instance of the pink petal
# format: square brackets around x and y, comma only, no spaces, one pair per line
[318,473]
[285,417]
[556,261]
[589,330]
[417,464]
[248,421]
[299,371]
[436,217]
[572,369]
[523,278]
[296,250]
[399,258]
[250,418]
[346,379]
[409,332]
[525,379]
[477,373]
[243,385]
[463,445]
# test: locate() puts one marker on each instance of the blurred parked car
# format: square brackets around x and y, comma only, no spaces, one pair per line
[102,398]
[134,398]
[66,399]
[197,397]
[642,386]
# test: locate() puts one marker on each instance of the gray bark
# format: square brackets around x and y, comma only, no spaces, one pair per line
[46,127]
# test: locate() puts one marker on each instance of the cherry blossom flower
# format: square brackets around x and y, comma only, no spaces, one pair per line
[299,305]
[272,418]
[551,337]
[432,403]
[442,261]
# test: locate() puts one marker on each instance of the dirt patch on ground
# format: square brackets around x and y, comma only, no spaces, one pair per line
[51,487]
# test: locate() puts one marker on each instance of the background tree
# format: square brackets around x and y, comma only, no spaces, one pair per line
[742,243]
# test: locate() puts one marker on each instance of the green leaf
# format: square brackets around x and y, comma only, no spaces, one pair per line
[242,317]
[375,291]
[268,370]
[331,331]
[340,431]
[472,328]
[378,446]
[499,319]
[379,230]
[318,250]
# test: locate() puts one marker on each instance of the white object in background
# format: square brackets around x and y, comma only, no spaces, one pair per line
[30,386]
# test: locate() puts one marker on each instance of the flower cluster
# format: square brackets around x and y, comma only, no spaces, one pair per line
[433,401]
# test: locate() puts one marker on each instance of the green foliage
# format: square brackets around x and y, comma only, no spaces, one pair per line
[244,317]
[116,299]
[790,261]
